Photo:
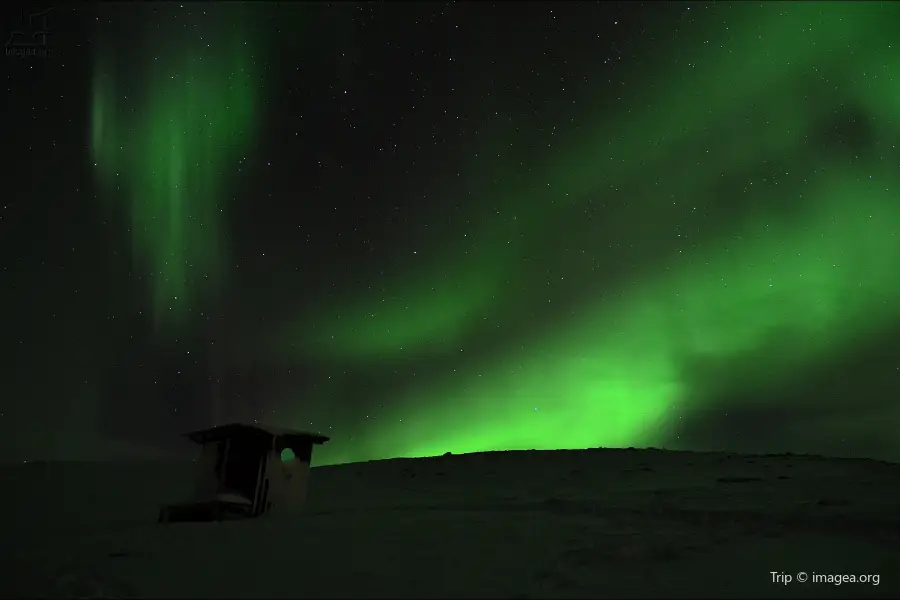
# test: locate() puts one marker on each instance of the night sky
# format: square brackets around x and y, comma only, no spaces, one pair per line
[422,227]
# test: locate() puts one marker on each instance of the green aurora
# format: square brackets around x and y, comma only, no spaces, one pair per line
[160,140]
[808,274]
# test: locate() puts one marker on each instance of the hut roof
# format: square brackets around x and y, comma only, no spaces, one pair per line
[232,430]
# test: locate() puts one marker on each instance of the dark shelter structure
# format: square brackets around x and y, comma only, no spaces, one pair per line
[245,471]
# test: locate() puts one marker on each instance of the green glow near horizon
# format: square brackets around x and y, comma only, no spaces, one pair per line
[161,144]
[808,273]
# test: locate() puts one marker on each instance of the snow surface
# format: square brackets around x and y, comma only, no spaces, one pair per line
[562,524]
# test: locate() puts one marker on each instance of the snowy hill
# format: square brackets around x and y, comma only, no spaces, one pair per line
[558,524]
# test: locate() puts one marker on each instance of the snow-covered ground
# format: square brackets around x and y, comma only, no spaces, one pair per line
[562,524]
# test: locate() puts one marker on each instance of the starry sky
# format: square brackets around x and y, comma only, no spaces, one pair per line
[430,227]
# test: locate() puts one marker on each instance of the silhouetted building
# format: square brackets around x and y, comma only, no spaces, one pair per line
[245,471]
